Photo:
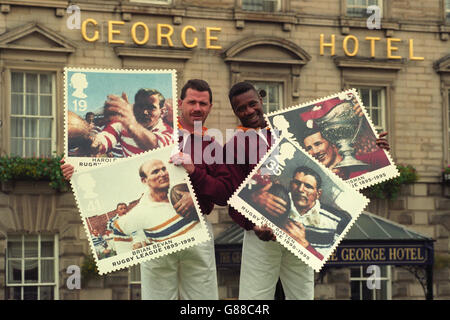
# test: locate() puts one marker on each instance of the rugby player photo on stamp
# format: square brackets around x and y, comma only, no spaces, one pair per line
[309,208]
[112,114]
[138,209]
[339,133]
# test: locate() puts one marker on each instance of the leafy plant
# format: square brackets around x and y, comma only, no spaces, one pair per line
[391,188]
[47,169]
[446,170]
[441,261]
[89,269]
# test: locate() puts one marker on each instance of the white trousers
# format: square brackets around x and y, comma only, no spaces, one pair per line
[263,262]
[189,274]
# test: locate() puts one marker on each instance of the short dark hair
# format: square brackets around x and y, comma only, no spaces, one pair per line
[198,85]
[240,88]
[121,204]
[310,172]
[89,114]
[142,174]
[305,132]
[141,97]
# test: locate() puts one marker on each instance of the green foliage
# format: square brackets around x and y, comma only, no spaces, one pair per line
[391,188]
[89,269]
[441,261]
[47,169]
[446,170]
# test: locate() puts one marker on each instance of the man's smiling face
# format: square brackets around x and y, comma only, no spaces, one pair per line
[321,149]
[248,107]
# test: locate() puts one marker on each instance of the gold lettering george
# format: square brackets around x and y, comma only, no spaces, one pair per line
[351,254]
[210,38]
[167,36]
[112,32]
[83,30]
[134,36]
[344,254]
[382,256]
[183,37]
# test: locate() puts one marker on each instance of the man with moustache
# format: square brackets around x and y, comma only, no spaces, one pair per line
[210,181]
[264,260]
[191,273]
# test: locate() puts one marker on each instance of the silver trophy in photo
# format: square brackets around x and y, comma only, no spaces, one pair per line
[341,126]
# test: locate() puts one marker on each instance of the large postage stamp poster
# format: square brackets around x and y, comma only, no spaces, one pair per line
[138,209]
[309,208]
[112,114]
[338,132]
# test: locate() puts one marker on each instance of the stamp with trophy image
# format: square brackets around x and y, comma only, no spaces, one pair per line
[339,133]
[137,209]
[309,208]
[113,114]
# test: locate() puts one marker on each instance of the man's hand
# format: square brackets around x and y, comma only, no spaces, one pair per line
[382,142]
[137,245]
[297,231]
[123,108]
[185,205]
[264,233]
[274,205]
[183,159]
[358,110]
[67,169]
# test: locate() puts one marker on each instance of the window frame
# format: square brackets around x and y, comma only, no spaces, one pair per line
[362,279]
[446,11]
[352,78]
[168,2]
[281,92]
[131,282]
[446,120]
[279,6]
[383,126]
[23,283]
[5,98]
[25,116]
[346,7]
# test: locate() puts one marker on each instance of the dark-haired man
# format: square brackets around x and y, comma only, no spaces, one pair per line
[328,153]
[135,128]
[263,261]
[195,267]
[122,243]
[311,223]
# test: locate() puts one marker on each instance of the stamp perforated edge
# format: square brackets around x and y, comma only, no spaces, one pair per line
[102,271]
[73,160]
[235,201]
[391,169]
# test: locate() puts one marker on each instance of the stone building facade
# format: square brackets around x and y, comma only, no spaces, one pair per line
[296,50]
